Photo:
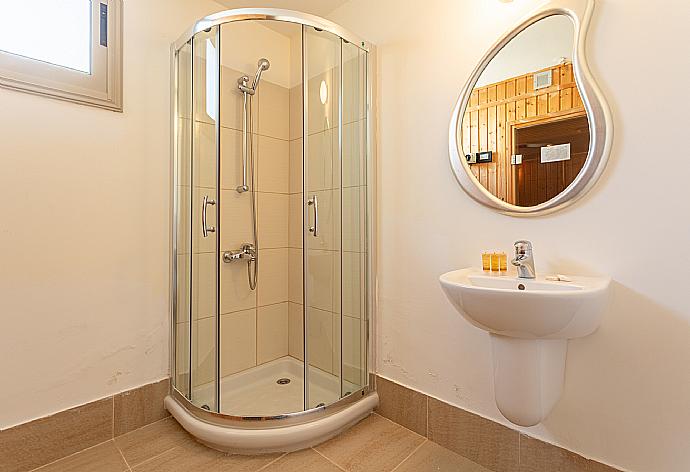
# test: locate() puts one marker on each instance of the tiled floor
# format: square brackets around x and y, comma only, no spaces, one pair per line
[375,444]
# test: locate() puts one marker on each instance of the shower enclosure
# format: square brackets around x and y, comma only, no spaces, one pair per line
[272,230]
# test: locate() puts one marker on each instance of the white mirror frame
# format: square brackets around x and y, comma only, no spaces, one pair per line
[598,115]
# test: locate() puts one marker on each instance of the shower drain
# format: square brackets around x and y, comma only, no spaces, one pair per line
[283,381]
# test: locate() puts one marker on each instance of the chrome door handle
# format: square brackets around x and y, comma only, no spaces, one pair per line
[315,202]
[204,228]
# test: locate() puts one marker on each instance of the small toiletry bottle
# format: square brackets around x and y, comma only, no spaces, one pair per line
[502,262]
[495,264]
[486,261]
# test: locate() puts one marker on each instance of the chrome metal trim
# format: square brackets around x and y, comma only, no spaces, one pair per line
[262,422]
[305,250]
[291,16]
[598,114]
[217,392]
[173,213]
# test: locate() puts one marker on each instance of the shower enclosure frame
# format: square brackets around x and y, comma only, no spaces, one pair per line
[366,396]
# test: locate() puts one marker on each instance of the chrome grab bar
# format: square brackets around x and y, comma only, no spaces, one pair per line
[315,202]
[245,145]
[204,228]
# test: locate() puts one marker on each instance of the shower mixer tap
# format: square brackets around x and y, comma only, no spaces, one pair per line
[247,252]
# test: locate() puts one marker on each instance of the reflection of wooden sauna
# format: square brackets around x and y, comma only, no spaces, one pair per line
[502,115]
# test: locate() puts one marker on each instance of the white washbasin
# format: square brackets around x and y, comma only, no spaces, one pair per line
[529,322]
[524,308]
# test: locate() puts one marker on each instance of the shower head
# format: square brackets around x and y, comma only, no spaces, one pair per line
[262,65]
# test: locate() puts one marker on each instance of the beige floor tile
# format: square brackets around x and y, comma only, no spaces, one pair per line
[375,444]
[479,439]
[433,458]
[60,435]
[152,440]
[140,406]
[302,461]
[102,458]
[193,457]
[405,406]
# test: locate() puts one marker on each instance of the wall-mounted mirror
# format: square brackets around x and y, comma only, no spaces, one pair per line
[531,131]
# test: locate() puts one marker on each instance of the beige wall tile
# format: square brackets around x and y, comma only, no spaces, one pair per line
[296,330]
[235,294]
[373,444]
[296,166]
[433,458]
[352,346]
[354,154]
[185,202]
[140,406]
[272,332]
[320,160]
[353,283]
[537,456]
[204,286]
[320,279]
[273,220]
[231,101]
[183,286]
[321,344]
[296,107]
[204,155]
[274,111]
[238,338]
[102,458]
[273,165]
[403,405]
[354,84]
[204,351]
[182,357]
[273,276]
[353,215]
[295,218]
[237,217]
[295,278]
[479,439]
[231,158]
[45,440]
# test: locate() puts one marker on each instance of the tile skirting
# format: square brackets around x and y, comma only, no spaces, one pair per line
[481,440]
[30,445]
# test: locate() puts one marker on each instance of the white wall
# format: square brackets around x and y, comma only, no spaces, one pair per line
[84,230]
[627,386]
[543,44]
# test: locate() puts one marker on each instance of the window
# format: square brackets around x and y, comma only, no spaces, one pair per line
[67,49]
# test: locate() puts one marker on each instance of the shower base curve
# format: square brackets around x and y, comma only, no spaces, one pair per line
[290,438]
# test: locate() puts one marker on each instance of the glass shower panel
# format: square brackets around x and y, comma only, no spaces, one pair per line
[354,221]
[183,239]
[205,205]
[322,204]
[261,348]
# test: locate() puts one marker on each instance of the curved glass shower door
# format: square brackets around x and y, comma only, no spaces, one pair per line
[271,219]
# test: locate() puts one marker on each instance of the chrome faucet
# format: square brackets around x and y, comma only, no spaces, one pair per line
[524,260]
[246,252]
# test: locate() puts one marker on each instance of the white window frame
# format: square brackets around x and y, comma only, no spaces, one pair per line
[102,88]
